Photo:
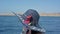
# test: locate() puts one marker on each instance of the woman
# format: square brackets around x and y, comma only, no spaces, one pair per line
[31,17]
[30,21]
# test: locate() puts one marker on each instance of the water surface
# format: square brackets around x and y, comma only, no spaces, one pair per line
[11,24]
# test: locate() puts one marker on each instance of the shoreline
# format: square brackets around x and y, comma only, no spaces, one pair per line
[41,14]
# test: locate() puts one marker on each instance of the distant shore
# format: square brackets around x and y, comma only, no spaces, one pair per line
[42,14]
[50,14]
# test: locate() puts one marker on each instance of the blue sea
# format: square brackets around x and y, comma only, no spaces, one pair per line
[11,24]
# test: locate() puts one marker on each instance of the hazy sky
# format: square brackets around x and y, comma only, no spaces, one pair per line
[47,6]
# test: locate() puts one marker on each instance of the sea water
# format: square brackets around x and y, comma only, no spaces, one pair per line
[12,25]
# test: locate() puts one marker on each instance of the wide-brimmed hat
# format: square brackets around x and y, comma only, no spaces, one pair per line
[32,13]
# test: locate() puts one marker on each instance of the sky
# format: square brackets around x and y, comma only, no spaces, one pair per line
[41,6]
